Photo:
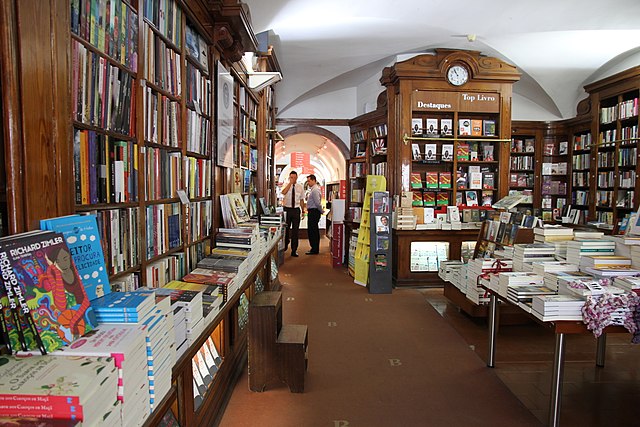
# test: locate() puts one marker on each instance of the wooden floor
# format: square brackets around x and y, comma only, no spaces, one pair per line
[412,359]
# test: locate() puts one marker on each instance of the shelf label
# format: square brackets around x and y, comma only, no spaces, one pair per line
[423,100]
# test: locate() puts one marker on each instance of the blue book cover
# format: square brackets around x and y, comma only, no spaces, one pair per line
[120,302]
[83,239]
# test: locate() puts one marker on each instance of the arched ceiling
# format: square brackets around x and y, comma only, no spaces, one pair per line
[326,157]
[558,45]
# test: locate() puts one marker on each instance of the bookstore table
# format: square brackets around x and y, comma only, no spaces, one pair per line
[560,329]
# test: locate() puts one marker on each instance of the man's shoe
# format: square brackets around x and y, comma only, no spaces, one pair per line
[311,253]
[294,254]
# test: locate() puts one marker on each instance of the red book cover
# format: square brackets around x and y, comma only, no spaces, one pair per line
[429,198]
[432,180]
[444,180]
[463,151]
[417,199]
[416,180]
[442,198]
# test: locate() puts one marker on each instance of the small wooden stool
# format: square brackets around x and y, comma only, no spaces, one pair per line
[293,344]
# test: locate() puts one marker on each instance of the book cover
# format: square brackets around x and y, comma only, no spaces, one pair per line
[446,127]
[442,198]
[488,180]
[463,151]
[238,208]
[447,152]
[52,288]
[415,152]
[444,179]
[487,152]
[461,180]
[432,127]
[529,145]
[476,127]
[464,127]
[416,180]
[489,127]
[487,198]
[416,126]
[430,151]
[124,302]
[82,236]
[475,180]
[431,180]
[471,198]
[417,198]
[429,198]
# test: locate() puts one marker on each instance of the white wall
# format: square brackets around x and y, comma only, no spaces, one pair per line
[524,109]
[340,104]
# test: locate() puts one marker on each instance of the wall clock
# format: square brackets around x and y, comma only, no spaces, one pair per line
[457,75]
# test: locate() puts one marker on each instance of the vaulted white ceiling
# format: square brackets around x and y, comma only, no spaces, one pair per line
[558,45]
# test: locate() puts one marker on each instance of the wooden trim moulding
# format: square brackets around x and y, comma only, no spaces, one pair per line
[312,122]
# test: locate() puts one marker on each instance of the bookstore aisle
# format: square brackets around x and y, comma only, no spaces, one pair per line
[374,360]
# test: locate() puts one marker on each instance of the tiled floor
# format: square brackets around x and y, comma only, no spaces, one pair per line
[524,362]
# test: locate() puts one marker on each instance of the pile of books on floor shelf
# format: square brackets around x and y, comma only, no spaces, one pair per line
[79,351]
[565,274]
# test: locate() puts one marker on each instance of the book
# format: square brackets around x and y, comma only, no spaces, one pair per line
[431,180]
[464,127]
[48,280]
[416,126]
[446,127]
[83,239]
[415,152]
[429,198]
[475,180]
[432,127]
[447,152]
[444,180]
[430,151]
[416,180]
[471,198]
[487,152]
[488,180]
[442,198]
[476,127]
[489,128]
[463,151]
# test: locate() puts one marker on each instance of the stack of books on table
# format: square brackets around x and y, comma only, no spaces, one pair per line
[477,267]
[524,254]
[587,235]
[513,278]
[504,252]
[191,302]
[549,308]
[212,296]
[545,269]
[628,284]
[446,269]
[123,307]
[60,388]
[607,266]
[126,345]
[243,238]
[222,279]
[522,295]
[459,278]
[180,330]
[579,248]
[635,256]
[161,349]
[555,235]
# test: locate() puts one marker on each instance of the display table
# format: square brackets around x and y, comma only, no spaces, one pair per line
[560,329]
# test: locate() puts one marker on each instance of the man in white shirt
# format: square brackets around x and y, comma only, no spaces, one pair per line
[293,204]
[314,209]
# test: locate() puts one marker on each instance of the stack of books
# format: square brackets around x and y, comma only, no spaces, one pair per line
[607,266]
[180,330]
[582,235]
[63,388]
[545,269]
[549,308]
[446,269]
[243,238]
[459,278]
[191,302]
[554,235]
[585,286]
[524,254]
[161,350]
[523,294]
[479,266]
[517,278]
[222,279]
[628,284]
[212,296]
[123,307]
[635,256]
[126,345]
[579,248]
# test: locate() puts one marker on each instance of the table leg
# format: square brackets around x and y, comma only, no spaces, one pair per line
[493,327]
[602,349]
[556,382]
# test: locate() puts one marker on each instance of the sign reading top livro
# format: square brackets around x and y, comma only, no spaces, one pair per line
[474,102]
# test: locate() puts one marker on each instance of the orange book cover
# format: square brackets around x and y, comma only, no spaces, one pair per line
[476,127]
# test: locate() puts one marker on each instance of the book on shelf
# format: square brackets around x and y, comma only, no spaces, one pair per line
[489,127]
[463,151]
[432,127]
[416,126]
[444,180]
[446,127]
[488,180]
[415,152]
[429,198]
[447,152]
[476,127]
[471,198]
[464,127]
[430,151]
[431,179]
[529,145]
[487,152]
[442,198]
[475,180]
[416,180]
[563,148]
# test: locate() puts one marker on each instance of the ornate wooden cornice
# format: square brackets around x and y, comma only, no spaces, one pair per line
[233,33]
[482,68]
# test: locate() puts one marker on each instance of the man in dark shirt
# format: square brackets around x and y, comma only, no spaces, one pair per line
[314,210]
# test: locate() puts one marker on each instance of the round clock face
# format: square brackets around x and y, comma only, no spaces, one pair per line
[457,75]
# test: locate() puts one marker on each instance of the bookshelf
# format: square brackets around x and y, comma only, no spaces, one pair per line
[556,166]
[526,137]
[614,127]
[581,175]
[461,134]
